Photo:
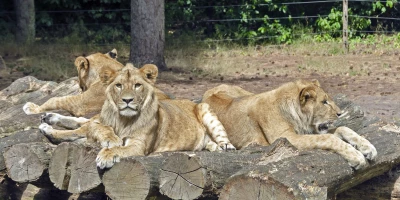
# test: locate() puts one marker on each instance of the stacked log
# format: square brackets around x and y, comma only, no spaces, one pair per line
[73,168]
[28,162]
[257,171]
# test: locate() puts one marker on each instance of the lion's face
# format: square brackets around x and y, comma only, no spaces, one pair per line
[320,105]
[89,67]
[131,89]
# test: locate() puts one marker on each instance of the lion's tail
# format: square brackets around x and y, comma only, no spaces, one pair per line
[213,125]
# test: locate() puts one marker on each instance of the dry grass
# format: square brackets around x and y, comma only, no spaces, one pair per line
[212,60]
[50,61]
[234,61]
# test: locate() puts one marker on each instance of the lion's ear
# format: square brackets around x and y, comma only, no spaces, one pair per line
[316,82]
[150,72]
[107,75]
[113,54]
[307,94]
[81,63]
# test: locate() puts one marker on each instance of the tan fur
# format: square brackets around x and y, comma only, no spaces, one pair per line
[295,111]
[133,121]
[92,98]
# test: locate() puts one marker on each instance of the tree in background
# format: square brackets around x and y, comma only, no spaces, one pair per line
[147,33]
[25,20]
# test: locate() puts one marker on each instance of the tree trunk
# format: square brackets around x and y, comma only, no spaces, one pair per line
[147,33]
[25,14]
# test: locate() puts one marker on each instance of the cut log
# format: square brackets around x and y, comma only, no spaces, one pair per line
[182,177]
[134,177]
[73,168]
[202,174]
[127,180]
[21,137]
[313,174]
[197,174]
[28,162]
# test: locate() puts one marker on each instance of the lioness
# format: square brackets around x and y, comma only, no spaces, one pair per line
[299,111]
[133,121]
[92,98]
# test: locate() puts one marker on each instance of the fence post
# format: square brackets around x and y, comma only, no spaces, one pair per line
[345,19]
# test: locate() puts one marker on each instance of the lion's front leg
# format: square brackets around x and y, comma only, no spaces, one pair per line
[107,157]
[103,134]
[63,135]
[360,143]
[67,122]
[329,142]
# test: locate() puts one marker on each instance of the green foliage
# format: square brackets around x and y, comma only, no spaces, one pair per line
[243,21]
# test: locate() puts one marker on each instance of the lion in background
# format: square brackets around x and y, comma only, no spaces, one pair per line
[133,121]
[299,111]
[90,100]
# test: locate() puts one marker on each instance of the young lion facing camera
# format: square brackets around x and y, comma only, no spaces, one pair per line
[133,121]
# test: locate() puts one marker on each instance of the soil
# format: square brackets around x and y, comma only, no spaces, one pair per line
[376,88]
[371,81]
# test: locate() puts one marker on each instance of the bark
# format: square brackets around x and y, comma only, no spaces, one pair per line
[73,168]
[25,14]
[147,33]
[386,186]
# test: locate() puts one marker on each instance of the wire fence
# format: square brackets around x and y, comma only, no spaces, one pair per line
[127,23]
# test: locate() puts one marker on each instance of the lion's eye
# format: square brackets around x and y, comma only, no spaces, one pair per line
[118,85]
[138,85]
[325,102]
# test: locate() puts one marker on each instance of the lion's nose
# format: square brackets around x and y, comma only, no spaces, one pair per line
[127,101]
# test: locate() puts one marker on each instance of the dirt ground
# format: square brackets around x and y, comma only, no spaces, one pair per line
[370,80]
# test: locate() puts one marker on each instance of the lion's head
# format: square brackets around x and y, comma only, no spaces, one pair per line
[130,89]
[89,67]
[318,106]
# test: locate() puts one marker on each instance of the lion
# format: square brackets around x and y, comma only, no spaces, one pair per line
[134,122]
[299,111]
[92,97]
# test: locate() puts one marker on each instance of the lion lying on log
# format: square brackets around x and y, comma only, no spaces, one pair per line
[300,111]
[92,97]
[133,121]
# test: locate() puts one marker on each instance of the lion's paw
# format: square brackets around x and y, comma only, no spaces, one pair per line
[30,108]
[211,146]
[111,141]
[46,129]
[357,160]
[368,150]
[50,118]
[106,158]
[226,147]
